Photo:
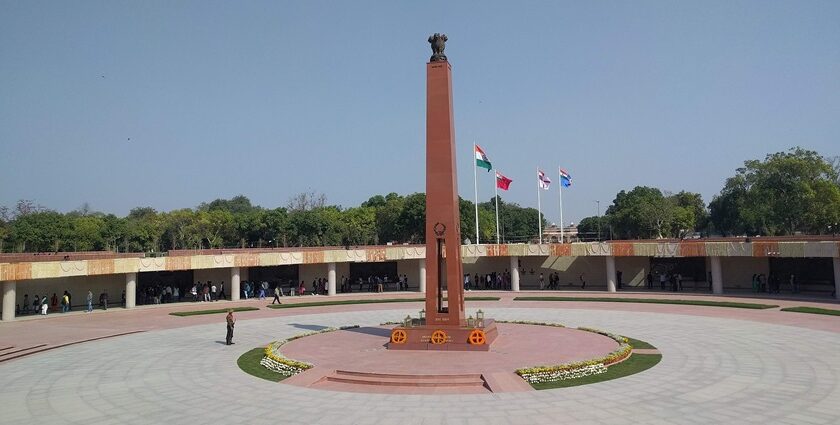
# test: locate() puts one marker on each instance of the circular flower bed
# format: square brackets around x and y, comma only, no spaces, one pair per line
[561,372]
[277,362]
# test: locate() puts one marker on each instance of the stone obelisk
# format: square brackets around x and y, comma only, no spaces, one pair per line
[444,326]
[443,230]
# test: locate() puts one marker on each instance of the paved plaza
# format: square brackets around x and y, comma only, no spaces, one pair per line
[721,366]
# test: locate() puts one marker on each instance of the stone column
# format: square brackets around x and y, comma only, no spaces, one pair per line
[330,278]
[234,284]
[422,274]
[610,273]
[717,275]
[130,290]
[514,274]
[9,298]
[837,278]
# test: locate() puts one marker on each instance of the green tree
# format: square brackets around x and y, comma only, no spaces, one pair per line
[176,229]
[411,221]
[41,231]
[690,213]
[588,228]
[517,224]
[275,226]
[236,205]
[642,213]
[788,192]
[87,233]
[359,225]
[388,219]
[144,228]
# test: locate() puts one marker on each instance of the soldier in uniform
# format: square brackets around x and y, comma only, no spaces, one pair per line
[230,322]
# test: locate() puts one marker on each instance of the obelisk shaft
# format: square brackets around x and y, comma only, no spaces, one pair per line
[443,230]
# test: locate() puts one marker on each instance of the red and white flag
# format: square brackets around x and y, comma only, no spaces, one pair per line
[543,180]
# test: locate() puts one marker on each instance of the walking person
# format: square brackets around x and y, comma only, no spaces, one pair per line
[213,296]
[649,280]
[89,302]
[231,321]
[276,295]
[222,295]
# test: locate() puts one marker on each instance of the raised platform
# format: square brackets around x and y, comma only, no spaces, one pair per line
[357,360]
[444,338]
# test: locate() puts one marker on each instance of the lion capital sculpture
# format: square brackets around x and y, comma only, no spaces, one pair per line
[438,42]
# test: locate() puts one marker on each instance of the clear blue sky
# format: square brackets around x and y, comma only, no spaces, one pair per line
[269,99]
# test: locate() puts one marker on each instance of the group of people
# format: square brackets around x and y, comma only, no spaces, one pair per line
[103,300]
[494,280]
[39,305]
[207,292]
[773,285]
[554,281]
[375,283]
[671,281]
[42,305]
[159,294]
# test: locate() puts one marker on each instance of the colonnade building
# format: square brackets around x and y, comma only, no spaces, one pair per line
[715,266]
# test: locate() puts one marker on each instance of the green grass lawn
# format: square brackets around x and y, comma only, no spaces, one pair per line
[813,310]
[635,364]
[372,301]
[639,343]
[217,311]
[651,301]
[250,363]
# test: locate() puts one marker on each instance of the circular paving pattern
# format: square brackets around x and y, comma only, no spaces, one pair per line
[714,370]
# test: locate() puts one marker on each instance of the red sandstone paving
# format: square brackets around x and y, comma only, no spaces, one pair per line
[58,329]
[518,346]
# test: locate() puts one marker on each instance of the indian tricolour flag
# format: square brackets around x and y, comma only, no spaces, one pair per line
[481,159]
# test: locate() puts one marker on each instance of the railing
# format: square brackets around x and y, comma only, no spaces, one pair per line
[66,256]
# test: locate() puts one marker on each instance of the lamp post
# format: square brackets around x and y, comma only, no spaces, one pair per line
[598,214]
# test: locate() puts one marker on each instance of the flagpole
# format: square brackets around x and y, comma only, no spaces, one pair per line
[496,186]
[539,207]
[560,191]
[475,181]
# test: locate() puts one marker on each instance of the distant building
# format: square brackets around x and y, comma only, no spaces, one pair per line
[551,233]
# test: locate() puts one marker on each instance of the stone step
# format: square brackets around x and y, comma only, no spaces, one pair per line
[397,380]
[474,376]
[20,352]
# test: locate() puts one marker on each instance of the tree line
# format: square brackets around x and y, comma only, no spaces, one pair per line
[792,192]
[787,193]
[306,220]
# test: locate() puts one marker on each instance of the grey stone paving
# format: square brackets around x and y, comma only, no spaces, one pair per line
[714,370]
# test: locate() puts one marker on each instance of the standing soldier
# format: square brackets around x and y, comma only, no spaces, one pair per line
[230,322]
